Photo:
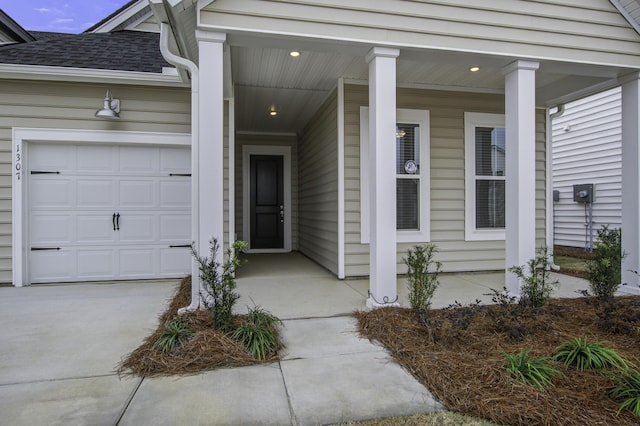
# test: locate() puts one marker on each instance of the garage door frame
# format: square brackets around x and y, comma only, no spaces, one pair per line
[22,137]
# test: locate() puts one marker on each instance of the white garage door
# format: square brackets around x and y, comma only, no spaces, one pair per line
[108,212]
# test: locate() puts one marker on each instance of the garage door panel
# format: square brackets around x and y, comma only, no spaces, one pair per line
[137,228]
[93,159]
[137,193]
[95,193]
[175,160]
[175,228]
[54,265]
[52,193]
[74,211]
[175,194]
[137,160]
[137,262]
[52,158]
[93,228]
[175,261]
[49,229]
[95,264]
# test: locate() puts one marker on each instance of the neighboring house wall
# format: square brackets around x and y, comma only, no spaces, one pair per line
[266,140]
[587,144]
[447,179]
[318,192]
[560,29]
[39,104]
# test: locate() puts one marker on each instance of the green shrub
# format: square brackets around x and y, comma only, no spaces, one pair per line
[626,391]
[585,355]
[422,275]
[537,284]
[604,269]
[531,371]
[174,334]
[219,283]
[258,333]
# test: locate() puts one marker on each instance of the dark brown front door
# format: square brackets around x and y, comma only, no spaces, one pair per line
[267,202]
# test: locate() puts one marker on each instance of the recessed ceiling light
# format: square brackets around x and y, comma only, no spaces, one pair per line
[273,113]
[294,53]
[474,69]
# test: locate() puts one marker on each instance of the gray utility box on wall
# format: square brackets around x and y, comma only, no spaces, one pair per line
[583,193]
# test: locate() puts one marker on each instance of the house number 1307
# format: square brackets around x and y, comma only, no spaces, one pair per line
[18,162]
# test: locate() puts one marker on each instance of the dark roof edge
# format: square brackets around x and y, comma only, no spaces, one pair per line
[13,28]
[110,17]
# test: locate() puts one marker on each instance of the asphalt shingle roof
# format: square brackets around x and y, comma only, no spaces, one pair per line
[118,50]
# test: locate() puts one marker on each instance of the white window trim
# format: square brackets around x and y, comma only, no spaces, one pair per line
[471,121]
[417,116]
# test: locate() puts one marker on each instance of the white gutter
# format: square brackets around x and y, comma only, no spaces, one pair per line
[193,70]
[550,217]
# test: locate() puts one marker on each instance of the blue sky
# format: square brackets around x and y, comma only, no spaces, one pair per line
[63,16]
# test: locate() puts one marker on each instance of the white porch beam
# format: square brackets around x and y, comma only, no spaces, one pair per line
[382,176]
[211,138]
[631,182]
[520,134]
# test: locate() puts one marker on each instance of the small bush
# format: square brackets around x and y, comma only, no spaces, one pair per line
[174,334]
[604,269]
[219,283]
[258,333]
[422,274]
[536,281]
[626,391]
[531,371]
[585,355]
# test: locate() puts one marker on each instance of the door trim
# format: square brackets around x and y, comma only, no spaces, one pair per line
[23,137]
[285,152]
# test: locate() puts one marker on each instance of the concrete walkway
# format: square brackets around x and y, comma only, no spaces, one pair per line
[60,345]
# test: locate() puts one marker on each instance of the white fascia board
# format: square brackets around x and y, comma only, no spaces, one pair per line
[89,75]
[111,24]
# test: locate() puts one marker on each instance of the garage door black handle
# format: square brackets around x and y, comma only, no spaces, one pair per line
[113,220]
[118,221]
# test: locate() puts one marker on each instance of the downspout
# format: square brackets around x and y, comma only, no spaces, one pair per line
[550,203]
[184,63]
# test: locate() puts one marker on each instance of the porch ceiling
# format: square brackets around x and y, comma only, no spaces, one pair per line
[265,76]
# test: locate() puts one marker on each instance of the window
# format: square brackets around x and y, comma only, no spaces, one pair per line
[485,176]
[412,175]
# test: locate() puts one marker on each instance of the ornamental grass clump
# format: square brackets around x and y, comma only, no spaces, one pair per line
[422,275]
[584,355]
[174,333]
[530,370]
[258,333]
[537,284]
[626,391]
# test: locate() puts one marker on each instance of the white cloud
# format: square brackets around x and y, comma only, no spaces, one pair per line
[47,10]
[63,21]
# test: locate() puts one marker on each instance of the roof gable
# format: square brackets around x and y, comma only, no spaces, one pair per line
[11,31]
[134,15]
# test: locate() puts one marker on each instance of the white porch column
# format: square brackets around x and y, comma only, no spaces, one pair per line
[631,182]
[520,135]
[211,140]
[382,176]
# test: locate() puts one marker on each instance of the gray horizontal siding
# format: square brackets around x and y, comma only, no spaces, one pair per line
[586,148]
[581,30]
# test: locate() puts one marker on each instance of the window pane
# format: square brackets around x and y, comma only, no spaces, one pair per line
[489,204]
[407,149]
[490,151]
[407,205]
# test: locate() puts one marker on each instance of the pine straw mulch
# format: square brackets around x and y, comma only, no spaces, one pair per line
[459,358]
[207,349]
